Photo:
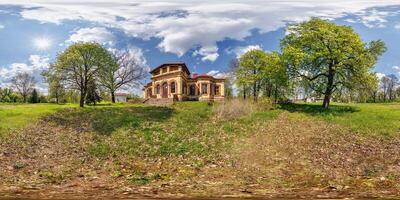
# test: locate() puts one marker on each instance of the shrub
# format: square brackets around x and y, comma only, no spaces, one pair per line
[232,109]
[135,100]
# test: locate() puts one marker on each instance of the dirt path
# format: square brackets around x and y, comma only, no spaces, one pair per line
[290,156]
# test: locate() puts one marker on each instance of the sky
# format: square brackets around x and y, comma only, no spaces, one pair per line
[206,35]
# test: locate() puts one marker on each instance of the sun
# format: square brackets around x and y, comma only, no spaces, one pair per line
[42,43]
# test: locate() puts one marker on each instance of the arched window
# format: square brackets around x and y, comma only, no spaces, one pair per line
[192,90]
[158,89]
[173,87]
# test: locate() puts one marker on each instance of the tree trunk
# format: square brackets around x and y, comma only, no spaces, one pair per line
[112,97]
[329,89]
[244,92]
[255,91]
[82,99]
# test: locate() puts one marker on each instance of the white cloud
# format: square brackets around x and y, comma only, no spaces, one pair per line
[34,67]
[2,26]
[219,74]
[207,53]
[238,51]
[397,69]
[380,75]
[96,34]
[183,25]
[397,26]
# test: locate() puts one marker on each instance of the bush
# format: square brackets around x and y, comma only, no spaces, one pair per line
[135,100]
[233,109]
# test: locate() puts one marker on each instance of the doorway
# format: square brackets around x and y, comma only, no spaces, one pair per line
[165,90]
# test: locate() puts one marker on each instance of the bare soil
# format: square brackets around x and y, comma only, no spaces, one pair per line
[290,157]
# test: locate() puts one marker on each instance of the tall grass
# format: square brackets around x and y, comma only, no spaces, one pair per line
[238,108]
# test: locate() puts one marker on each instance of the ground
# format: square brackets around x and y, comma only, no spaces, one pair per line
[198,149]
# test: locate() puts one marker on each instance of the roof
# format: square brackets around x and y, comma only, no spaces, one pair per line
[207,76]
[121,94]
[172,63]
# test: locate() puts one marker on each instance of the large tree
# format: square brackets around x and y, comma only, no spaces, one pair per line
[328,56]
[248,71]
[79,64]
[127,70]
[24,83]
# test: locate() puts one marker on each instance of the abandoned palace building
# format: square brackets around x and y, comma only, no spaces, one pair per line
[173,82]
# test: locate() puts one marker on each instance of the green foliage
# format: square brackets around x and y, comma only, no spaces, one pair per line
[79,64]
[92,95]
[328,56]
[56,88]
[259,69]
[43,99]
[34,97]
[8,96]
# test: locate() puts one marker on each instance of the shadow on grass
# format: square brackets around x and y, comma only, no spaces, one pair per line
[105,120]
[318,110]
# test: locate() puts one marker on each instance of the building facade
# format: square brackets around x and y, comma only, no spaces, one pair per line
[121,97]
[174,81]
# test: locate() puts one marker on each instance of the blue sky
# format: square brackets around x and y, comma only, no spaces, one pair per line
[206,35]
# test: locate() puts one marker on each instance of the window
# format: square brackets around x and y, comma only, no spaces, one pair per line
[192,90]
[173,87]
[217,90]
[204,87]
[173,68]
[158,89]
[184,88]
[164,70]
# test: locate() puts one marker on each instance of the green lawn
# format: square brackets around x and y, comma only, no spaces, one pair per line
[367,118]
[138,144]
[14,116]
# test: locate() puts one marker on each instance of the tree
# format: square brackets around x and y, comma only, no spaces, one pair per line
[274,76]
[80,63]
[328,56]
[250,64]
[92,96]
[53,79]
[7,95]
[385,84]
[126,70]
[34,97]
[24,84]
[392,84]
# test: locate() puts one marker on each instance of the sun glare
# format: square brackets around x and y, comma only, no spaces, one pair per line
[42,43]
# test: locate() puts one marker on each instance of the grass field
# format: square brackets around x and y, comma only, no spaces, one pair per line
[14,116]
[374,119]
[194,148]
